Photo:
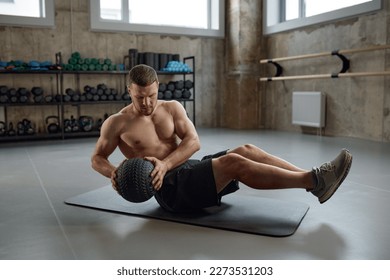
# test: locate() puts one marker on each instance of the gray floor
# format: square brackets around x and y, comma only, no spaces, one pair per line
[35,179]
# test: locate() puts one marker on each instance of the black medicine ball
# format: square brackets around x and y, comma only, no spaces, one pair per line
[134,181]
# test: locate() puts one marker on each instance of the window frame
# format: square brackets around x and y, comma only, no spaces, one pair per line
[47,21]
[98,24]
[273,16]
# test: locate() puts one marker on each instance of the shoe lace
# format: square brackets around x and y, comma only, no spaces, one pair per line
[327,167]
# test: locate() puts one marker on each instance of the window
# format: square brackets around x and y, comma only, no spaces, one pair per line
[27,12]
[283,15]
[178,17]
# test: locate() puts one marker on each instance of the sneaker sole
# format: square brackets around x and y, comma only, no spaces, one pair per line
[337,184]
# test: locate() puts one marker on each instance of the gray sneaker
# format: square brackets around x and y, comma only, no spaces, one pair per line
[330,175]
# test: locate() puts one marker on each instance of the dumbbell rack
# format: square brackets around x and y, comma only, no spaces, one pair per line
[185,75]
[32,104]
[61,104]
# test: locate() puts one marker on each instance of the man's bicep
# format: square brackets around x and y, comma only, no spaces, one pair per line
[104,147]
[183,125]
[107,142]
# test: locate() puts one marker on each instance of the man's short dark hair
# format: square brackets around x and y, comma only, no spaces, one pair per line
[142,75]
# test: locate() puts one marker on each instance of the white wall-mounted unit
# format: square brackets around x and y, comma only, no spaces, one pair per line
[308,108]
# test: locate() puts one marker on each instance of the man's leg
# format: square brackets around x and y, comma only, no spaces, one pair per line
[256,154]
[234,166]
[322,182]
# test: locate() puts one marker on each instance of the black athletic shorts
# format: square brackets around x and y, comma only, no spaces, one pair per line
[191,186]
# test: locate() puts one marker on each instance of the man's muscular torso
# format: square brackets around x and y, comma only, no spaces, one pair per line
[142,136]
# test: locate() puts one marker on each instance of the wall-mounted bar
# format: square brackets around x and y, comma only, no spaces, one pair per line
[339,53]
[329,53]
[323,76]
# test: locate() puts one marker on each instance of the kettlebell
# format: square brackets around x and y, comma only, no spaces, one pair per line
[28,127]
[3,131]
[74,124]
[20,128]
[86,123]
[67,126]
[53,126]
[11,130]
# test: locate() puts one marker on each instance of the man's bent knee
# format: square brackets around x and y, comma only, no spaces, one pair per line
[243,150]
[225,169]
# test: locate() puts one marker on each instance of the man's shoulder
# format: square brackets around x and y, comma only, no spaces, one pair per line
[118,117]
[169,104]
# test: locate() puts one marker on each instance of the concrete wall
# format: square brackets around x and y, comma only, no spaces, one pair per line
[228,90]
[72,33]
[356,107]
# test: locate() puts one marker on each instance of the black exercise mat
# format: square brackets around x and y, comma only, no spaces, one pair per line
[242,213]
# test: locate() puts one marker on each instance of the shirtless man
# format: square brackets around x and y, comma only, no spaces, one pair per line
[160,132]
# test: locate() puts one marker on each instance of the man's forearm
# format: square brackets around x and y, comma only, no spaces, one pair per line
[103,166]
[183,152]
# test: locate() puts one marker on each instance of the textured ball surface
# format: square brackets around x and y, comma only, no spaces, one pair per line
[134,181]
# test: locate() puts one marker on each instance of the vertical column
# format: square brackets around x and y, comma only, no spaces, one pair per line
[243,43]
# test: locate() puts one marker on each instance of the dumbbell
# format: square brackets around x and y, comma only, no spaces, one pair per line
[118,97]
[88,96]
[23,95]
[38,94]
[75,97]
[126,96]
[89,93]
[171,86]
[177,94]
[3,90]
[37,91]
[106,95]
[58,97]
[39,98]
[162,87]
[186,94]
[4,94]
[188,84]
[71,95]
[96,97]
[99,91]
[87,88]
[13,95]
[102,86]
[49,98]
[66,98]
[4,99]
[113,95]
[107,91]
[25,127]
[83,97]
[168,94]
[179,85]
[70,92]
